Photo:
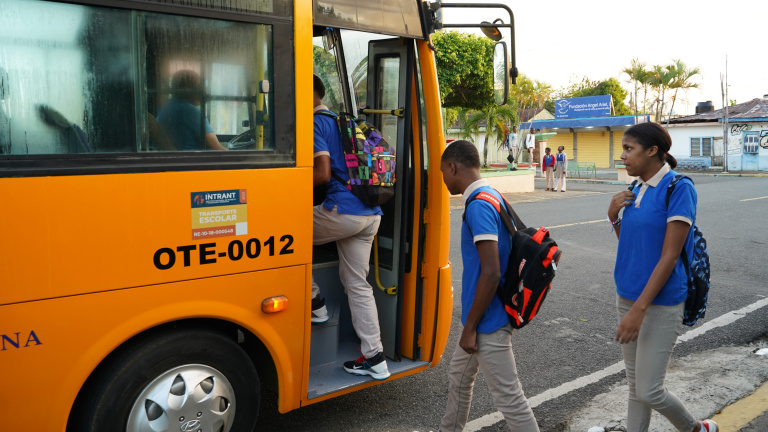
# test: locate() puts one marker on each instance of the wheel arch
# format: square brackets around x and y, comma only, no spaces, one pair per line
[252,345]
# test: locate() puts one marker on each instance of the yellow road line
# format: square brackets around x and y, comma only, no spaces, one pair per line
[739,414]
[752,199]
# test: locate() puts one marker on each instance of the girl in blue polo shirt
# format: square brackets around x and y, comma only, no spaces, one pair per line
[651,281]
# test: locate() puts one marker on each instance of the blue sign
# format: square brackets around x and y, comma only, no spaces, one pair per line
[580,107]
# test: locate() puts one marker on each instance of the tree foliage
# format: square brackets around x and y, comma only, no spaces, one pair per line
[464,69]
[496,119]
[673,77]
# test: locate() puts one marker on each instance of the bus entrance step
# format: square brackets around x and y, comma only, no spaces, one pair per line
[325,338]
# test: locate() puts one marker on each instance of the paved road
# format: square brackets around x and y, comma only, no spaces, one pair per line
[571,339]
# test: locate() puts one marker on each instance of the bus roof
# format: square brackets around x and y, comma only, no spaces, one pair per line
[391,17]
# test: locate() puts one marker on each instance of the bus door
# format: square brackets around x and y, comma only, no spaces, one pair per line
[389,61]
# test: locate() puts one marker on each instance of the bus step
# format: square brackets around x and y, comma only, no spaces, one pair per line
[325,338]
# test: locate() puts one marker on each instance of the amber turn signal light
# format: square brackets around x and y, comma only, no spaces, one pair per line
[274,304]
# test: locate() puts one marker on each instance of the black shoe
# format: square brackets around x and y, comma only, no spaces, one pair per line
[375,366]
[319,312]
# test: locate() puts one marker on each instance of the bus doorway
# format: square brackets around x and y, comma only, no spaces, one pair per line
[372,76]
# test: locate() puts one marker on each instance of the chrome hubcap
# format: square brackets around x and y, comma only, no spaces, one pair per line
[189,398]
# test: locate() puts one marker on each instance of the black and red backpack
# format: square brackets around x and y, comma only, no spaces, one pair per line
[531,267]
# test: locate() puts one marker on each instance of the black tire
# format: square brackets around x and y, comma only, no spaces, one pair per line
[214,383]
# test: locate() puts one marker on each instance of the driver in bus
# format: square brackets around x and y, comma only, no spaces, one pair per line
[180,117]
[343,218]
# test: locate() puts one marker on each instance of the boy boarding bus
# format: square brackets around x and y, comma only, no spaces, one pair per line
[156,222]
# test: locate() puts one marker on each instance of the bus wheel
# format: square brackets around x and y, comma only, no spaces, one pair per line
[188,380]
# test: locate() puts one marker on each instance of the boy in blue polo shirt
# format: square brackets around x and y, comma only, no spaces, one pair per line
[343,218]
[486,339]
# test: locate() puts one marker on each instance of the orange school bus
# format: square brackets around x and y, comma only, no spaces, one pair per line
[156,219]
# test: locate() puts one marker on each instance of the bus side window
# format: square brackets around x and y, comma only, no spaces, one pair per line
[326,67]
[229,67]
[87,79]
[69,79]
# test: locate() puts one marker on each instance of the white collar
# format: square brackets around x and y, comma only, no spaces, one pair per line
[654,181]
[472,188]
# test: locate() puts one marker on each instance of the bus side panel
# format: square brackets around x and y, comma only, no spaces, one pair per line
[79,234]
[438,226]
[61,341]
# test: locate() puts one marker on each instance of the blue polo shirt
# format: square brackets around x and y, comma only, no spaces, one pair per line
[643,227]
[482,222]
[181,122]
[328,142]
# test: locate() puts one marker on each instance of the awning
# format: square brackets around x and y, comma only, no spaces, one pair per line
[584,123]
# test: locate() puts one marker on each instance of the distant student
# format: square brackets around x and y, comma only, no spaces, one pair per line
[530,145]
[548,166]
[511,145]
[561,168]
[486,338]
[651,280]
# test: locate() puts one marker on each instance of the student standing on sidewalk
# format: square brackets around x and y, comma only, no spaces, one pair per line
[548,167]
[561,168]
[486,339]
[651,281]
[530,145]
[512,147]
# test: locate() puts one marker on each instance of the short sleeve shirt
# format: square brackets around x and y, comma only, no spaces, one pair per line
[328,142]
[181,122]
[643,228]
[482,222]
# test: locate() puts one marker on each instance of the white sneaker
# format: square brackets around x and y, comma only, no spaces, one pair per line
[708,426]
[375,366]
[319,312]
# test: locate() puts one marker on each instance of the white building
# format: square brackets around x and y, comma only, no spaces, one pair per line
[697,140]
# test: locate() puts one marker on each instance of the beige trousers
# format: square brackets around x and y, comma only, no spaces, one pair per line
[353,236]
[646,361]
[495,358]
[550,177]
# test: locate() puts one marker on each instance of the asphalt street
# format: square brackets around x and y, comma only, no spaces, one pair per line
[567,358]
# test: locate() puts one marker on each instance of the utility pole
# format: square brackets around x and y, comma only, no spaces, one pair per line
[724,92]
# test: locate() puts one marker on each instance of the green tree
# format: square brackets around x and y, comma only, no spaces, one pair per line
[636,72]
[682,79]
[496,118]
[661,78]
[464,69]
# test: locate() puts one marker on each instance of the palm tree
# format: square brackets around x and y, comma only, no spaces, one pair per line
[660,79]
[496,117]
[681,80]
[637,74]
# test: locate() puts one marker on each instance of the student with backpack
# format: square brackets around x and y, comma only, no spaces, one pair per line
[486,339]
[345,219]
[650,274]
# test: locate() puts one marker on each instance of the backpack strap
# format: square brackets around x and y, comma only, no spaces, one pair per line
[325,112]
[344,131]
[670,189]
[510,219]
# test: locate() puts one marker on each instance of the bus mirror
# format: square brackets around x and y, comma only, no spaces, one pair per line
[328,42]
[500,73]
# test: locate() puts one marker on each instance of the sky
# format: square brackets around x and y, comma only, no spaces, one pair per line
[560,41]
